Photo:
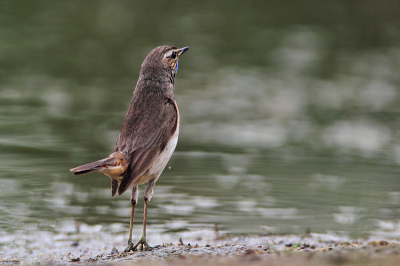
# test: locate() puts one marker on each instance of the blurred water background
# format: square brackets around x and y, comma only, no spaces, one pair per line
[289,114]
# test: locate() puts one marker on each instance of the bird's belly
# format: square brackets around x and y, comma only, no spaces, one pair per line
[159,164]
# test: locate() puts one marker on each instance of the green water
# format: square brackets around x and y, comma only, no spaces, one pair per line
[289,114]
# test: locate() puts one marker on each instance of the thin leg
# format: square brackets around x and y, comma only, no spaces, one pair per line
[147,196]
[144,218]
[142,242]
[133,204]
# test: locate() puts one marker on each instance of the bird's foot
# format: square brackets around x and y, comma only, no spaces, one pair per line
[130,247]
[142,243]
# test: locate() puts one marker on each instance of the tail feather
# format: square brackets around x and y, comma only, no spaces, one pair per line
[83,172]
[90,167]
[114,160]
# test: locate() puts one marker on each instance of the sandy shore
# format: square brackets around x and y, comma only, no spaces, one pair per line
[313,249]
[337,253]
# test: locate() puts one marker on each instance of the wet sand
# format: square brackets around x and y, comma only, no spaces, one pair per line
[100,249]
[336,253]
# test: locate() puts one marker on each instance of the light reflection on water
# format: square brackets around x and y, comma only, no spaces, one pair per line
[300,133]
[241,193]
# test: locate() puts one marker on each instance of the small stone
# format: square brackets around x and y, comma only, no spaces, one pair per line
[114,251]
[249,252]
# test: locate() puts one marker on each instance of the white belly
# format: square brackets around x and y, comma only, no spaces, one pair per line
[164,156]
[159,164]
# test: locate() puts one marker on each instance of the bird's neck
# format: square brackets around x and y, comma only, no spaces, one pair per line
[157,85]
[157,79]
[157,74]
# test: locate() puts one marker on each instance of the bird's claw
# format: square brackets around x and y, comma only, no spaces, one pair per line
[142,243]
[130,247]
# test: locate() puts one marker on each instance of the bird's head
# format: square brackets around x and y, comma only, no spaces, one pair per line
[162,62]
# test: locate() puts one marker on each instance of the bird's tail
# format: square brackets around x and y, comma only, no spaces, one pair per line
[90,167]
[116,162]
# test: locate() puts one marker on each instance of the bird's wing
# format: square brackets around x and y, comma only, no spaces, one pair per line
[147,128]
[114,187]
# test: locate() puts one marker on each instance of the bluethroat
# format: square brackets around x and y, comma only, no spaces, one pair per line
[148,136]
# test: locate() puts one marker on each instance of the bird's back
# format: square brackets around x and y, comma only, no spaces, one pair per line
[150,122]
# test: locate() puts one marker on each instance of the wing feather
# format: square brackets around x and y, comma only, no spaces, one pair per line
[114,187]
[150,122]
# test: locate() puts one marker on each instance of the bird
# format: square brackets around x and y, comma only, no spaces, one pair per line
[148,136]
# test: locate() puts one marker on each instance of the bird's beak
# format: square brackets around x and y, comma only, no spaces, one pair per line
[182,50]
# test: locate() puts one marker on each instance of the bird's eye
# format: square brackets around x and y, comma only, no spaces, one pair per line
[173,55]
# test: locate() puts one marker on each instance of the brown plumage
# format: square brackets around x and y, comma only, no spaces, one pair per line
[149,132]
[113,166]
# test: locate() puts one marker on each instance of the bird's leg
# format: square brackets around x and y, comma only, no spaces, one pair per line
[142,242]
[134,198]
[147,196]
